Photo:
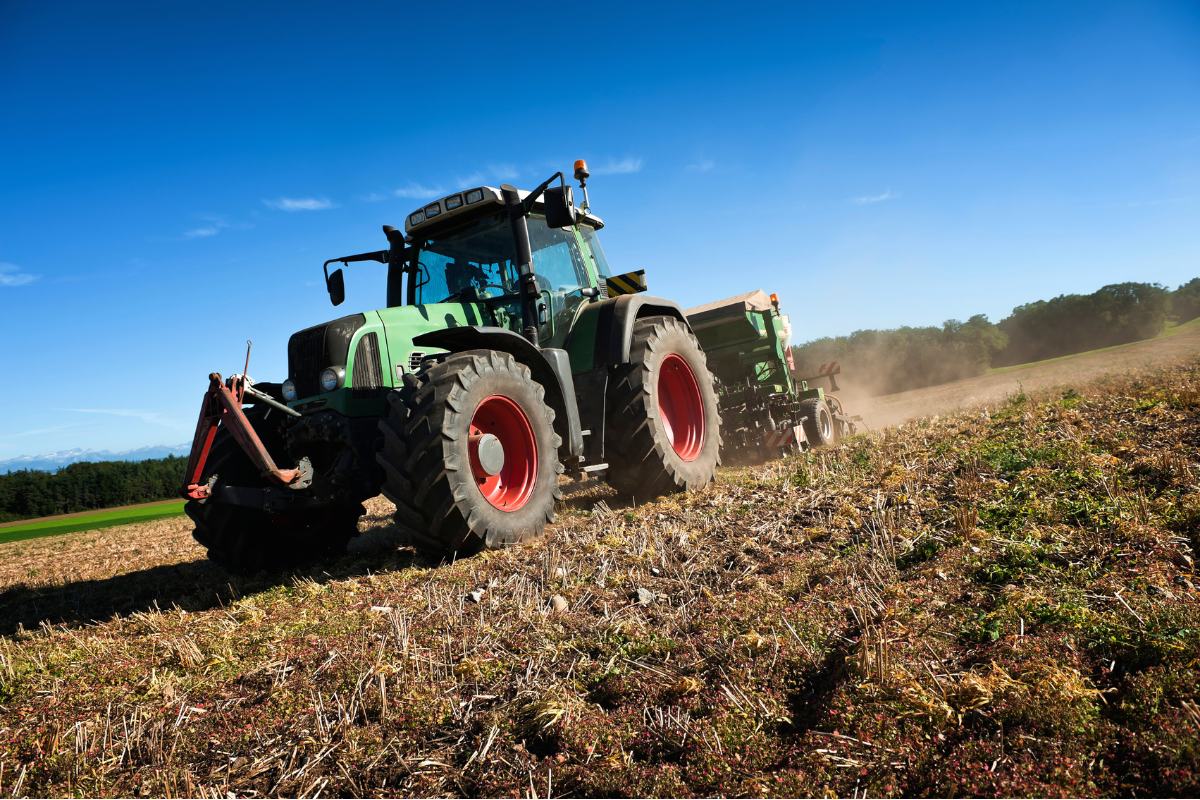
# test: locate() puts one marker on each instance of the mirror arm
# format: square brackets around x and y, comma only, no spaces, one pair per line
[528,202]
[379,255]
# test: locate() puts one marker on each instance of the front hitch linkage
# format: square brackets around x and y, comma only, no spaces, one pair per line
[222,405]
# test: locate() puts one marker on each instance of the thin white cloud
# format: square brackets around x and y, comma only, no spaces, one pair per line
[504,172]
[474,179]
[12,275]
[40,431]
[374,197]
[299,203]
[416,191]
[211,225]
[1161,201]
[872,199]
[149,417]
[494,172]
[701,165]
[624,166]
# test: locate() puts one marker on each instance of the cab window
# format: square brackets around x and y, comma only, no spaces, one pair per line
[557,261]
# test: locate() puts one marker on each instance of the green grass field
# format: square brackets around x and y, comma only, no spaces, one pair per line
[105,518]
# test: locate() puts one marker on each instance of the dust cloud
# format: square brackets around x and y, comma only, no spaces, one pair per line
[879,411]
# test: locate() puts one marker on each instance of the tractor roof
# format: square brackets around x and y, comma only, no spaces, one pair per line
[467,202]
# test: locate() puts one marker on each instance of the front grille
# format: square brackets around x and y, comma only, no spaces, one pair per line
[306,359]
[367,372]
[312,350]
[414,361]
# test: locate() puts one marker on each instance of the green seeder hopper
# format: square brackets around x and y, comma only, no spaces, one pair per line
[766,411]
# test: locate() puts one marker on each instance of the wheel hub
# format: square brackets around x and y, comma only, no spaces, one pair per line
[488,451]
[503,453]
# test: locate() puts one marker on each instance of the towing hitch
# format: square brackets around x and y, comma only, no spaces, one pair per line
[222,405]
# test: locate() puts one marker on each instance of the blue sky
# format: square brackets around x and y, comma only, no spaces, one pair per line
[173,174]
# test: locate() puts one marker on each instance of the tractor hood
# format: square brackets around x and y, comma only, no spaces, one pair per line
[373,349]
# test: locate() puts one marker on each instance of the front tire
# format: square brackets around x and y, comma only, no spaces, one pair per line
[470,456]
[245,540]
[664,426]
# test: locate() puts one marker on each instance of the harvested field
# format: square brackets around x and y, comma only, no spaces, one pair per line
[995,602]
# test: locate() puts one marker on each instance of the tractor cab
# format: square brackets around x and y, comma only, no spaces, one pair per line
[468,248]
[462,250]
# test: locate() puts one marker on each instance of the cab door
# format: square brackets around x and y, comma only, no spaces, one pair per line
[562,276]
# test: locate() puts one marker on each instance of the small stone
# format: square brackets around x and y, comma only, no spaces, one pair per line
[1162,591]
[560,573]
[643,596]
[559,604]
[655,571]
[476,595]
[382,609]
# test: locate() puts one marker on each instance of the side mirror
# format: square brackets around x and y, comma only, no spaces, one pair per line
[336,284]
[560,207]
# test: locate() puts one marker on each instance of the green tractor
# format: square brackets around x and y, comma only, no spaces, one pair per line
[506,355]
[767,411]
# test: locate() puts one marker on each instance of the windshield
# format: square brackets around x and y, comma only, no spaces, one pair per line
[476,262]
[471,263]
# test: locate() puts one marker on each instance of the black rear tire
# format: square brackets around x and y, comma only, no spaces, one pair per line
[819,427]
[246,540]
[431,474]
[644,456]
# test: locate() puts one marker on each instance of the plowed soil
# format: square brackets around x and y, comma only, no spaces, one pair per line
[1002,601]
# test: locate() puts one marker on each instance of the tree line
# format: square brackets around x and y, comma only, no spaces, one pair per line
[88,485]
[885,361]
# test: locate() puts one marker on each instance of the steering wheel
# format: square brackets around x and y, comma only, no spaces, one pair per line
[477,289]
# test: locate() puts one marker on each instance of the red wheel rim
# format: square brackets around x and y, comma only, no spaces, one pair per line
[511,487]
[681,407]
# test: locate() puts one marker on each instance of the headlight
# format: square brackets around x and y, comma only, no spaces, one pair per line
[331,378]
[289,390]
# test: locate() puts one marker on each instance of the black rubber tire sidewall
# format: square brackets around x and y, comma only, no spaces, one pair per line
[642,462]
[814,409]
[427,463]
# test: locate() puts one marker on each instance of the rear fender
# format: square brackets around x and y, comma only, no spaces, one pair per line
[603,332]
[550,367]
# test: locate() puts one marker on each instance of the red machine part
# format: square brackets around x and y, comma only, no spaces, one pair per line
[681,407]
[222,405]
[509,486]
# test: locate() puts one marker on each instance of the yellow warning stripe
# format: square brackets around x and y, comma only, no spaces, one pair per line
[627,283]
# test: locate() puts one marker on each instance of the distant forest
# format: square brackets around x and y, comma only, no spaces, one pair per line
[885,361]
[88,485]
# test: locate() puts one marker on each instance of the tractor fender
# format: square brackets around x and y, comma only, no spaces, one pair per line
[550,367]
[611,322]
